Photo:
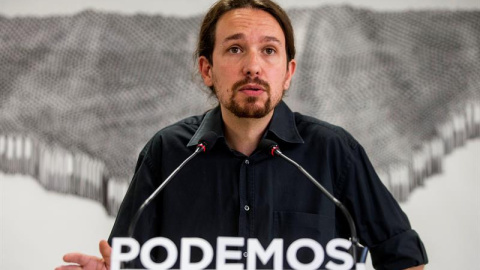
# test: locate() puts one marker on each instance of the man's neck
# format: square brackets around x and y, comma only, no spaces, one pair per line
[244,134]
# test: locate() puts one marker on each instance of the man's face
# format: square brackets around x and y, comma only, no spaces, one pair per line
[249,63]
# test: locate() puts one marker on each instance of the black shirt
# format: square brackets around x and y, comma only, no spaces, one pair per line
[225,193]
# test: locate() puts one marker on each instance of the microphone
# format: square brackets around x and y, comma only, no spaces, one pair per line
[273,149]
[205,143]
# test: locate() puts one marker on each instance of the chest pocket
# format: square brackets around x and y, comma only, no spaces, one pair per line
[291,226]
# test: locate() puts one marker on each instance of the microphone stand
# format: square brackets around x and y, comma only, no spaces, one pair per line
[206,142]
[133,224]
[275,149]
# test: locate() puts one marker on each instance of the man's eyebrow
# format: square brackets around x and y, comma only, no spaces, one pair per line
[271,39]
[236,36]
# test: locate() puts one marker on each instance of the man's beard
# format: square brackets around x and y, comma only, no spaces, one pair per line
[250,110]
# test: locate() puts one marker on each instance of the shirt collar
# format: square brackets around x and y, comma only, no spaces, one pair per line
[282,125]
[211,122]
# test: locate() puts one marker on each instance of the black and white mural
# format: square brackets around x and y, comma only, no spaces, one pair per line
[81,94]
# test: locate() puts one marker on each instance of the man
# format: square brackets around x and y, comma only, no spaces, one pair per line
[246,56]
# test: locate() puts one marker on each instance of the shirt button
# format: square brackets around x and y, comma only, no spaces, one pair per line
[245,254]
[247,161]
[246,207]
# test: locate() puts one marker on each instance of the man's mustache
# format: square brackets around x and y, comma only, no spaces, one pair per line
[256,80]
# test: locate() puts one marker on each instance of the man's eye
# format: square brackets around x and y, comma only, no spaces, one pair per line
[234,50]
[269,51]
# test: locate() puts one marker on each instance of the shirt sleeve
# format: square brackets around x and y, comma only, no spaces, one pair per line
[381,224]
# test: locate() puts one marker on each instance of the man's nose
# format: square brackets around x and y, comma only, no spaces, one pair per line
[251,67]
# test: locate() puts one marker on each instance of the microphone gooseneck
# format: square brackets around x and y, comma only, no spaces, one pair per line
[273,149]
[205,143]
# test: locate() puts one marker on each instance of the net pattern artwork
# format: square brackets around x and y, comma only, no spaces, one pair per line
[80,95]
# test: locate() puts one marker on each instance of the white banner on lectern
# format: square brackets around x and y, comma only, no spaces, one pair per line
[336,249]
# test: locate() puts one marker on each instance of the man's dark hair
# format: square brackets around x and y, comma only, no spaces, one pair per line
[206,39]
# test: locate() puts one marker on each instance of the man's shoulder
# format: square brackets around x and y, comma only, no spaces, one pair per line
[185,127]
[176,134]
[314,128]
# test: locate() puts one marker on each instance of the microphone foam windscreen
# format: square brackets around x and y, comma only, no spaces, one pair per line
[208,140]
[266,145]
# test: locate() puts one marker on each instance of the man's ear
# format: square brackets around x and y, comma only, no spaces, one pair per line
[205,69]
[291,66]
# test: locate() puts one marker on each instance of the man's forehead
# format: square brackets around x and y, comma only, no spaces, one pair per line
[242,36]
[238,23]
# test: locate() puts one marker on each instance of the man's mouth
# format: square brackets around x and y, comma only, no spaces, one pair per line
[252,89]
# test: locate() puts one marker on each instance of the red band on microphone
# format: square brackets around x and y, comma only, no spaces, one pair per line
[202,146]
[275,148]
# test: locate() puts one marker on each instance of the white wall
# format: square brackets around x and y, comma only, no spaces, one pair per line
[37,227]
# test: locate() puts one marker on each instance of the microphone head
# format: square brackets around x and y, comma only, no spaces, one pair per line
[207,140]
[269,146]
